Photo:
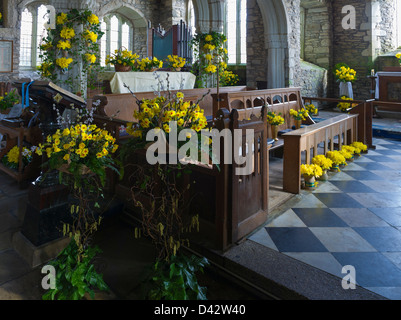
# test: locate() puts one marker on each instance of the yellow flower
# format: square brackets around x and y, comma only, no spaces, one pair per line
[93,19]
[90,57]
[64,44]
[208,38]
[61,18]
[66,157]
[90,35]
[63,62]
[67,33]
[211,68]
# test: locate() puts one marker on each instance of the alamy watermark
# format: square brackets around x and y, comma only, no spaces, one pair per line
[349,280]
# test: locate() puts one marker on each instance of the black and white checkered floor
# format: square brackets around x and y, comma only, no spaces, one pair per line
[353,219]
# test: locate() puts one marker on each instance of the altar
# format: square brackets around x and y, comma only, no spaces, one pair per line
[151,81]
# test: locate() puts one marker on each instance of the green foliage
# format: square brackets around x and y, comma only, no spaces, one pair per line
[176,279]
[75,274]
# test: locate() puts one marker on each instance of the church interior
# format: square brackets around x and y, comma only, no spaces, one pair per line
[200,150]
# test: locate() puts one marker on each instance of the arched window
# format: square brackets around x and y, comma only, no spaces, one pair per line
[235,30]
[33,31]
[118,33]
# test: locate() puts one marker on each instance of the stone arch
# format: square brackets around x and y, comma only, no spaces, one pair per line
[277,29]
[131,13]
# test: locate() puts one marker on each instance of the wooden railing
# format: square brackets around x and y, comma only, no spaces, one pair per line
[363,108]
[338,130]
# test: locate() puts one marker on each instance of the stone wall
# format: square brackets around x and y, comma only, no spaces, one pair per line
[256,68]
[313,80]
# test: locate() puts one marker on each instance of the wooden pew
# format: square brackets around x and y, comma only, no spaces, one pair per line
[363,108]
[234,205]
[230,206]
[342,127]
[122,106]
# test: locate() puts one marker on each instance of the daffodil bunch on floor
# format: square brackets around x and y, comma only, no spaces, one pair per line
[81,149]
[337,158]
[311,170]
[11,159]
[322,161]
[360,146]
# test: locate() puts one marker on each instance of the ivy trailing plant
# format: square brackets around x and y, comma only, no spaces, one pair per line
[75,277]
[73,43]
[176,280]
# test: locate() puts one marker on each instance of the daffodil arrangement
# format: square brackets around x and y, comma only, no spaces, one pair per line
[147,64]
[122,57]
[344,73]
[359,145]
[175,62]
[64,47]
[311,170]
[80,149]
[274,119]
[312,110]
[211,57]
[337,157]
[322,161]
[157,114]
[398,56]
[301,114]
[228,78]
[344,106]
[1,18]
[9,99]
[11,159]
[350,149]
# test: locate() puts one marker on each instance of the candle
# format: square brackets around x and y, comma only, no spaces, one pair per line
[372,72]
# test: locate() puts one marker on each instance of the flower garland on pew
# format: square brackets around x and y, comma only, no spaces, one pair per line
[67,46]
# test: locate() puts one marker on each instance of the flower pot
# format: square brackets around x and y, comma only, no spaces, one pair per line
[335,168]
[324,176]
[122,68]
[175,69]
[274,132]
[346,89]
[298,124]
[310,182]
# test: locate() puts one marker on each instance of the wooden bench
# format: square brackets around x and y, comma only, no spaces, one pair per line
[280,100]
[364,109]
[122,105]
[342,128]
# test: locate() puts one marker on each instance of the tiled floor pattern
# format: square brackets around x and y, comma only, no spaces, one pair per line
[354,219]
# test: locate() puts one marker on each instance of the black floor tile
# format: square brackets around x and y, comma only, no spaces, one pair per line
[295,240]
[384,239]
[388,152]
[319,217]
[365,175]
[373,166]
[372,269]
[338,200]
[378,158]
[352,186]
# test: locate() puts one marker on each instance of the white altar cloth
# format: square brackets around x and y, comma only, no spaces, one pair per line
[147,81]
